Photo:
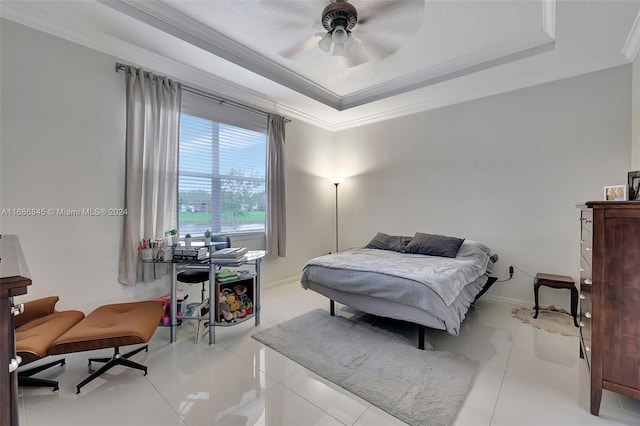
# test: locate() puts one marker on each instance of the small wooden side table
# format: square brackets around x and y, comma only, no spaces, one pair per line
[557,281]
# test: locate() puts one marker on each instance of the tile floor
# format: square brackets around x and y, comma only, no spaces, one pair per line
[527,377]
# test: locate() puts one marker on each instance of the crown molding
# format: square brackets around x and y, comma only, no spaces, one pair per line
[480,91]
[22,13]
[170,21]
[454,69]
[632,44]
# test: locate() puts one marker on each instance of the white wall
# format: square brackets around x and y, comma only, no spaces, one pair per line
[62,146]
[506,170]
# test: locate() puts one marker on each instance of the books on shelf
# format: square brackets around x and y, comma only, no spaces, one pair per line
[224,275]
[190,253]
[231,253]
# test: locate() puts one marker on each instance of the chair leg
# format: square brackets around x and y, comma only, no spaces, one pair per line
[117,359]
[203,292]
[25,379]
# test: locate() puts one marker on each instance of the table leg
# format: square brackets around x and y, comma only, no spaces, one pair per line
[212,308]
[536,287]
[257,296]
[173,304]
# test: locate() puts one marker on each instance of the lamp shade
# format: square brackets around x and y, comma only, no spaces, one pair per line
[12,261]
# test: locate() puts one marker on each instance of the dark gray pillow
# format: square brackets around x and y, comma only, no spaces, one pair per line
[383,241]
[434,245]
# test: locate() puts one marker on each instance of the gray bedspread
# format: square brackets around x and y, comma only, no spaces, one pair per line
[445,276]
[444,287]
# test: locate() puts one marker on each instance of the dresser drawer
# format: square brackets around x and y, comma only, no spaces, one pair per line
[585,321]
[586,246]
[586,219]
[585,271]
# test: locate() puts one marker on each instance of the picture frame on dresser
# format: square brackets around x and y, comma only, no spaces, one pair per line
[615,193]
[634,185]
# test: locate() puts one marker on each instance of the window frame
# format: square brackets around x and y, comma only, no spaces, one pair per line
[205,109]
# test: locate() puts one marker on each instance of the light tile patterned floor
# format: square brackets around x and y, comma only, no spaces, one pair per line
[527,377]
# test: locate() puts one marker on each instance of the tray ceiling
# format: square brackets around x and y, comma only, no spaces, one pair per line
[413,55]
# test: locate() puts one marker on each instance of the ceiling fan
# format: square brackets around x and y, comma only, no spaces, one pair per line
[339,19]
[375,33]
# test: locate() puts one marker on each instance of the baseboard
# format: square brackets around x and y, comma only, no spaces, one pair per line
[273,284]
[508,300]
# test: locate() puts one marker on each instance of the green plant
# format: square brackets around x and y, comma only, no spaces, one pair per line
[207,234]
[172,232]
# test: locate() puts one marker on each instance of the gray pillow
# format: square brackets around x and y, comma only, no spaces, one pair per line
[383,241]
[434,245]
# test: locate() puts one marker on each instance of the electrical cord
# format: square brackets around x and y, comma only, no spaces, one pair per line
[511,270]
[524,272]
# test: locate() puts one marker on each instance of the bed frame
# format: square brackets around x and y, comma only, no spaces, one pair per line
[382,307]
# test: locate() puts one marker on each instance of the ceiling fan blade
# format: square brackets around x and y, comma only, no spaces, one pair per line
[295,10]
[394,13]
[372,48]
[302,47]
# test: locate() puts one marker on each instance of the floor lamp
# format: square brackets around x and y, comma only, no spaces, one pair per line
[336,181]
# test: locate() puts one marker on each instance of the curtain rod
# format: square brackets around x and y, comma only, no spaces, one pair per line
[121,67]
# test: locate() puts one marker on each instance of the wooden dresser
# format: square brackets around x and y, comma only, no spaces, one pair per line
[610,297]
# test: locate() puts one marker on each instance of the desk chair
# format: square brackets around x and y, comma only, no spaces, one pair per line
[195,276]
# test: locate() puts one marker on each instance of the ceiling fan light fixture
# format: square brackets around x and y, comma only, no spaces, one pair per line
[339,35]
[339,50]
[339,18]
[352,43]
[325,43]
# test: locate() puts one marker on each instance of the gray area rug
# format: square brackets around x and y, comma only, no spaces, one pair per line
[550,319]
[418,387]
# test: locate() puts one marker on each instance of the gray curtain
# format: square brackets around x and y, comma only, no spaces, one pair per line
[276,226]
[153,122]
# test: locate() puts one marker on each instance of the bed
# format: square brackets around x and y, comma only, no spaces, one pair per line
[430,280]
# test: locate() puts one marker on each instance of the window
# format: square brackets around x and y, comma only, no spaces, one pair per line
[221,168]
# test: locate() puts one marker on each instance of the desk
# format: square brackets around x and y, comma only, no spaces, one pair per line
[253,257]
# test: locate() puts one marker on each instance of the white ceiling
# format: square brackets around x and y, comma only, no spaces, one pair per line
[415,54]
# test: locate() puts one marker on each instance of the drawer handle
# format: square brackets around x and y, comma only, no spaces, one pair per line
[582,324]
[587,248]
[587,314]
[14,363]
[587,348]
[588,281]
[581,241]
[582,296]
[17,310]
[581,269]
